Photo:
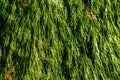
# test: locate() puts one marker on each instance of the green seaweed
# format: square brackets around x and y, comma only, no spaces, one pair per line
[59,40]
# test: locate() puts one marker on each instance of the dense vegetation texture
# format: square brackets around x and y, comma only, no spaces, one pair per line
[60,40]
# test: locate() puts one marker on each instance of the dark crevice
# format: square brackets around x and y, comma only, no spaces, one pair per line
[65,68]
[67,5]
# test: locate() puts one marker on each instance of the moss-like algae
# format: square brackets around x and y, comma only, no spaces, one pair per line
[60,40]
